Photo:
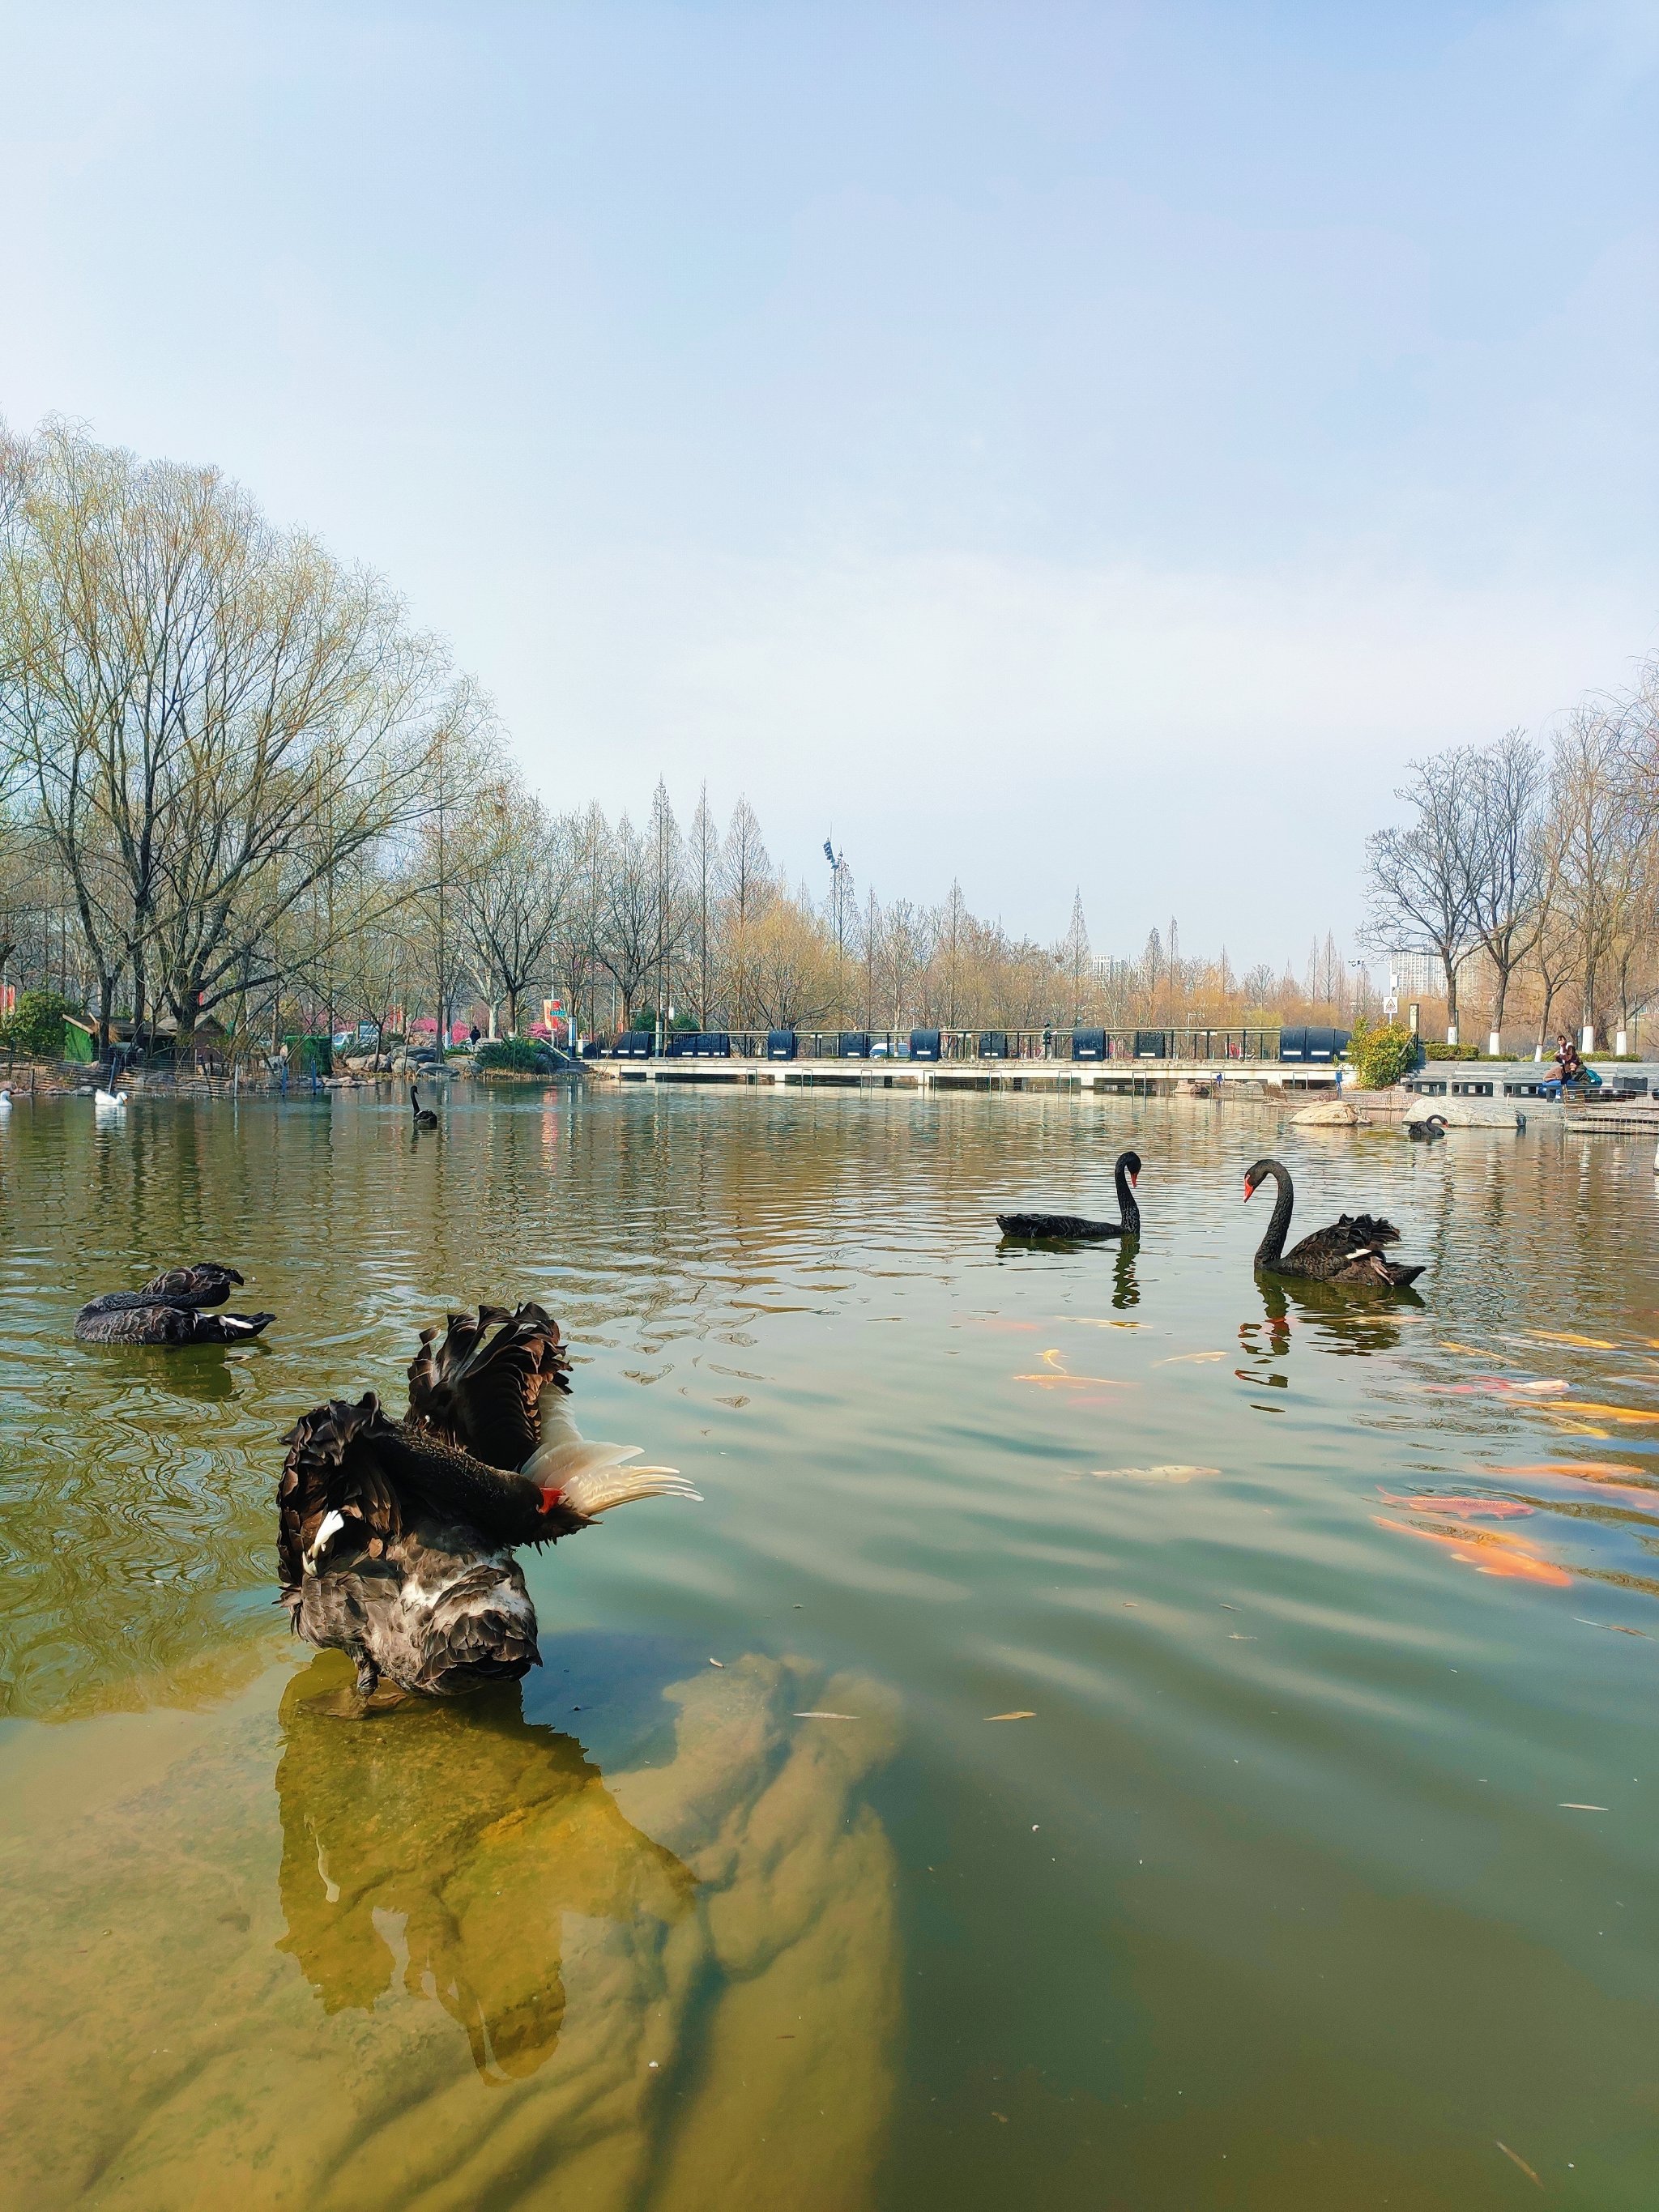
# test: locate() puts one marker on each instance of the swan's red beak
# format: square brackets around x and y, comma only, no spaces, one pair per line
[1249,1190]
[1133,1182]
[550,1498]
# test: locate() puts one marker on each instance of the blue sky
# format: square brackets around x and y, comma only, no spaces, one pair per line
[1051,445]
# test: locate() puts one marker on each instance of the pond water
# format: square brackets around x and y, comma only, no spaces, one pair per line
[1319,1871]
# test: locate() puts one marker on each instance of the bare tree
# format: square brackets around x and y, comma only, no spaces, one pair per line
[673,907]
[583,842]
[908,949]
[702,868]
[1072,959]
[1422,874]
[211,716]
[462,757]
[1601,819]
[630,934]
[745,870]
[1507,875]
[791,965]
[951,949]
[509,891]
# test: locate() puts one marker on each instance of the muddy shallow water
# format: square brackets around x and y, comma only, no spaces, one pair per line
[1322,1871]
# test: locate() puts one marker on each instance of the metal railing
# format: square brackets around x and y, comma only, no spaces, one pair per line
[1084,1048]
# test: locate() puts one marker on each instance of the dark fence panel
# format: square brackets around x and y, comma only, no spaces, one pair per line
[1310,1043]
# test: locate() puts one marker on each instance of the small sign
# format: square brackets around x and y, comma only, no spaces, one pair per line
[1391,1007]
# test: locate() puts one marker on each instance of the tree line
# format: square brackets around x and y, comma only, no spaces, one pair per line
[1529,873]
[242,793]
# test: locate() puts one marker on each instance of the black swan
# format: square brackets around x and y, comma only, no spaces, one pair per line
[1425,1133]
[1349,1251]
[169,1309]
[424,1116]
[396,1538]
[1073,1228]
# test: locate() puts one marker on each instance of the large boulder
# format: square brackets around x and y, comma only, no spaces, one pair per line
[1466,1113]
[1328,1113]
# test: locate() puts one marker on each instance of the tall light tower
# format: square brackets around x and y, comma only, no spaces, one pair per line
[840,881]
[840,891]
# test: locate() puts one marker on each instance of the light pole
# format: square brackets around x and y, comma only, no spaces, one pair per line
[840,884]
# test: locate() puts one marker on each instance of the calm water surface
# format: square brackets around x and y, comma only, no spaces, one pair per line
[1321,1872]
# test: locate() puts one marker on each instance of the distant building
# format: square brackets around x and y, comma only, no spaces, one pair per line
[1416,975]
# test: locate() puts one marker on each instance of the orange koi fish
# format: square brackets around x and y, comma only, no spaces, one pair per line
[1510,1558]
[1461,1508]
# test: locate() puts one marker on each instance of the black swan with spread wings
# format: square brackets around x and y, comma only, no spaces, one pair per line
[396,1538]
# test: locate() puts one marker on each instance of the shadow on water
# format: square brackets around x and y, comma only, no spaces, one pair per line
[445,1842]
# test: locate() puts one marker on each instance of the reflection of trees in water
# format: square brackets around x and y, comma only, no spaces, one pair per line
[451,1840]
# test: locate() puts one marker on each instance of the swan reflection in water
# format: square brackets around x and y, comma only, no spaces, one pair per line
[1338,1321]
[205,1373]
[1126,1290]
[715,1911]
[481,1972]
[443,1843]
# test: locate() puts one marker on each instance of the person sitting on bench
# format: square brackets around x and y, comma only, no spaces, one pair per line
[1570,1069]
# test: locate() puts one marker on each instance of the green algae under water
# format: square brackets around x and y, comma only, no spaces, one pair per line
[1286,1896]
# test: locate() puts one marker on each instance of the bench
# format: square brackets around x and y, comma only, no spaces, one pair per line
[1604,1093]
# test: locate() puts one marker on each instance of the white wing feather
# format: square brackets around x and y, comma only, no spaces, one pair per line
[592,1476]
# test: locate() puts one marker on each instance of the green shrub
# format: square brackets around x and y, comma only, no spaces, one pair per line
[1453,1052]
[1379,1056]
[36,1024]
[515,1055]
